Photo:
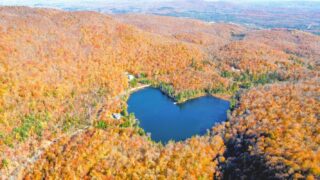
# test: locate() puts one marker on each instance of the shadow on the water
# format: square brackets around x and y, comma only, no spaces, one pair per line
[165,120]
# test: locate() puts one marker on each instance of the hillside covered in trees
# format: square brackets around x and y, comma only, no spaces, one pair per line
[62,75]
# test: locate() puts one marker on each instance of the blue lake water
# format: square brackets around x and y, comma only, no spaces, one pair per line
[165,120]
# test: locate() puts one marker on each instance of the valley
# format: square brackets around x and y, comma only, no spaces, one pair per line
[64,74]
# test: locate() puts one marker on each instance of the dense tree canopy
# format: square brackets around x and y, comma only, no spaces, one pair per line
[62,75]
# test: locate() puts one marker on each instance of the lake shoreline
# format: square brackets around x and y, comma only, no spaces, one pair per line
[167,120]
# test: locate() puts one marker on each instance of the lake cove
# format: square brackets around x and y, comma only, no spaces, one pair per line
[165,120]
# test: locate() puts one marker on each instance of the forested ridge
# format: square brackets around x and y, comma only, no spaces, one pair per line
[61,72]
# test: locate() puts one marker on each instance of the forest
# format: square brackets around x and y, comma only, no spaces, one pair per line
[62,74]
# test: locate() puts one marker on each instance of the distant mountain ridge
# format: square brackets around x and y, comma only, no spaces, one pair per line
[62,73]
[302,15]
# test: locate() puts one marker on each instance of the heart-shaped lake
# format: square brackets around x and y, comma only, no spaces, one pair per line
[165,120]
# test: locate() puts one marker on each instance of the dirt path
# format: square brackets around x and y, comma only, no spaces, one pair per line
[17,173]
[129,91]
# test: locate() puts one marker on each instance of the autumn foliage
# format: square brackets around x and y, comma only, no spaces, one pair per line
[62,75]
[123,154]
[274,133]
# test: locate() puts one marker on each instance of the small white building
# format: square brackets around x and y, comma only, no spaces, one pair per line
[116,116]
[131,77]
[235,69]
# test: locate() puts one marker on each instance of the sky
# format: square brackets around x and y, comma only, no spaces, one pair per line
[30,2]
[51,2]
